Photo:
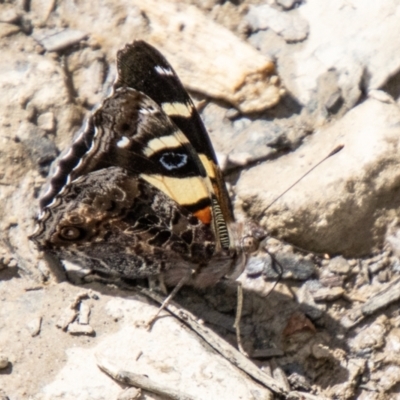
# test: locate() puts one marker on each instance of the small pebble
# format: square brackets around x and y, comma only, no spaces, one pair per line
[78,329]
[339,265]
[319,351]
[84,312]
[46,121]
[34,326]
[67,317]
[232,113]
[330,280]
[3,361]
[328,294]
[393,341]
[240,158]
[130,394]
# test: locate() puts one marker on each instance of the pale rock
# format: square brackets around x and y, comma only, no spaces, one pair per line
[328,294]
[41,9]
[88,69]
[4,362]
[46,121]
[34,326]
[347,38]
[389,378]
[8,29]
[393,342]
[130,394]
[335,209]
[243,77]
[59,40]
[84,312]
[291,27]
[77,329]
[9,14]
[371,337]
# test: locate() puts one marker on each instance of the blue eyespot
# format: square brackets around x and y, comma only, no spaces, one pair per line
[171,160]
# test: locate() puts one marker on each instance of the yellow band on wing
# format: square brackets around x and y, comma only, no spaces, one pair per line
[185,191]
[208,165]
[165,142]
[177,109]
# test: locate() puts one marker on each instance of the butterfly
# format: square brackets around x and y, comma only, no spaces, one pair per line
[139,192]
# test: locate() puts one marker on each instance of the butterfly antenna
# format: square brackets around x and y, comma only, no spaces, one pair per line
[332,153]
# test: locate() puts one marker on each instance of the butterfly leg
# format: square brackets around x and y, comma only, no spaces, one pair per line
[185,279]
[236,325]
[157,282]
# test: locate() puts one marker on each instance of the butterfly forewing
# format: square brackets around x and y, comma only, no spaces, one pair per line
[144,68]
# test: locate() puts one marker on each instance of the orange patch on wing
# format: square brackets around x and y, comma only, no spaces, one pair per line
[204,215]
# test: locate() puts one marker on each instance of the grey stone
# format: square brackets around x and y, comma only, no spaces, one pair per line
[339,265]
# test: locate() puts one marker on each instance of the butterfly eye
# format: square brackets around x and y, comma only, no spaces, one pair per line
[72,233]
[250,244]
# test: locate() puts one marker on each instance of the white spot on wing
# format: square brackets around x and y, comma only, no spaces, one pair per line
[147,110]
[163,71]
[123,142]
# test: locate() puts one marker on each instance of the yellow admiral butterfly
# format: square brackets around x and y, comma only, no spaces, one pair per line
[139,192]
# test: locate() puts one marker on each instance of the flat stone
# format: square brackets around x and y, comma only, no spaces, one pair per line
[56,41]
